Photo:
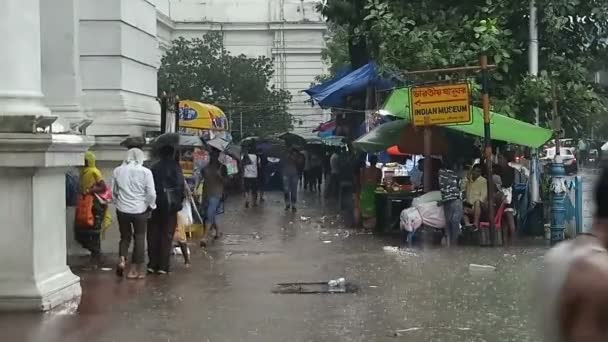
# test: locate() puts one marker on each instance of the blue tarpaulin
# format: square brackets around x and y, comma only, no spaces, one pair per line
[333,93]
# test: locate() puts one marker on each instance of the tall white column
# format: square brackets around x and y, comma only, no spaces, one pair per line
[20,67]
[33,274]
[61,81]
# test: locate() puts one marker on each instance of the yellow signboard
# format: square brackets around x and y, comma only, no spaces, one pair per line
[440,104]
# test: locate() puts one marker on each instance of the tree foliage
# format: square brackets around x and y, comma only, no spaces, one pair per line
[426,34]
[202,70]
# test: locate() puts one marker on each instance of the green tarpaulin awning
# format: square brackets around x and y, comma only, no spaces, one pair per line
[503,128]
[382,137]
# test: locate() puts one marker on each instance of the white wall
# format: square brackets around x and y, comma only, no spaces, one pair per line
[289,31]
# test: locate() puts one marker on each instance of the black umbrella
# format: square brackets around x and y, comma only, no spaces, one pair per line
[177,141]
[133,142]
[249,141]
[292,139]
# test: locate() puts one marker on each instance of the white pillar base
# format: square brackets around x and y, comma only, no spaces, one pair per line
[34,275]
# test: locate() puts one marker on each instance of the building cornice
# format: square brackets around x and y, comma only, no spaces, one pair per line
[164,20]
[248,26]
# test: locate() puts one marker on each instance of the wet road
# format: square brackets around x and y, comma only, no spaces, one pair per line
[412,295]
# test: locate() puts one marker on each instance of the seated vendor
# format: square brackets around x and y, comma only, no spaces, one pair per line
[476,196]
[476,204]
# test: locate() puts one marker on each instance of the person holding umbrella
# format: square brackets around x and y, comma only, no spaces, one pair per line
[215,176]
[290,179]
[170,190]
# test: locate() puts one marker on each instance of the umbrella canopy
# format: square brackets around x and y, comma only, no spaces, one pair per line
[272,150]
[409,139]
[249,141]
[233,150]
[177,141]
[335,140]
[225,146]
[503,128]
[218,143]
[133,142]
[314,141]
[292,139]
[395,151]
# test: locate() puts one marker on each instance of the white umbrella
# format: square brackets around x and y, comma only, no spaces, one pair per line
[219,144]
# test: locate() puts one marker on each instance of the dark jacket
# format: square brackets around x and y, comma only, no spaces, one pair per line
[169,185]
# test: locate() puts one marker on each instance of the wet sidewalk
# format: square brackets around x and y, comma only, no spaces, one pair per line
[407,295]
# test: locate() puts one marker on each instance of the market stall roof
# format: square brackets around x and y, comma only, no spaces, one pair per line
[197,115]
[333,93]
[503,128]
[400,132]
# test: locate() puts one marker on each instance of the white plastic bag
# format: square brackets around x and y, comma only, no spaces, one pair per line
[186,213]
[433,196]
[410,220]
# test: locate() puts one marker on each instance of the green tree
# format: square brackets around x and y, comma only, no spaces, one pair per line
[425,34]
[201,69]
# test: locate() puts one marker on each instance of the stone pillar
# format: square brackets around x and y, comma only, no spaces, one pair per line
[61,81]
[20,68]
[34,274]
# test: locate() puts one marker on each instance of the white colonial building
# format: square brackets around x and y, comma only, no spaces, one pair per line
[71,61]
[290,31]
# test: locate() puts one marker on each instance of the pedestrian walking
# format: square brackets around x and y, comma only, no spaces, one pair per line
[262,177]
[290,179]
[169,185]
[316,172]
[251,170]
[92,202]
[583,152]
[573,290]
[134,198]
[215,176]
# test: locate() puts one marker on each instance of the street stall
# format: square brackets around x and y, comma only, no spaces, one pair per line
[207,122]
[401,132]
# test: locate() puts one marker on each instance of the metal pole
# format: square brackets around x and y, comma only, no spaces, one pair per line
[163,113]
[488,144]
[241,118]
[428,161]
[176,108]
[533,70]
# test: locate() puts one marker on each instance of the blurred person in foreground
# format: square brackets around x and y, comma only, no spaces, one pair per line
[574,283]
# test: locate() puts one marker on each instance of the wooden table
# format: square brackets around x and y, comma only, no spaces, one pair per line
[388,209]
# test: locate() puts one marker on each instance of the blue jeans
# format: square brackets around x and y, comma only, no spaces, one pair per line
[213,204]
[453,215]
[290,189]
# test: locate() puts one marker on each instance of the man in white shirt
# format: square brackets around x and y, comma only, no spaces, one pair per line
[251,169]
[134,198]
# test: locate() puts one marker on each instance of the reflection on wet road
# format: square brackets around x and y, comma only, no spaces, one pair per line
[408,295]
